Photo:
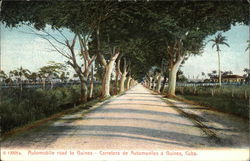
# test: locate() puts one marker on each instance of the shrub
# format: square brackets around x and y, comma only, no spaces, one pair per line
[19,108]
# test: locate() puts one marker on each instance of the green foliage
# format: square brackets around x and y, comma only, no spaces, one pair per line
[143,31]
[53,69]
[233,106]
[227,99]
[19,108]
[219,40]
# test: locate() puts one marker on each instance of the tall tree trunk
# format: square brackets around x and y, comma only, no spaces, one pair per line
[150,82]
[128,82]
[163,84]
[116,82]
[172,81]
[219,73]
[132,83]
[84,91]
[172,76]
[118,74]
[158,86]
[122,82]
[91,82]
[106,80]
[123,78]
[155,81]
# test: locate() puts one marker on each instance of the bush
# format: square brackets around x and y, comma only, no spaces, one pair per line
[18,107]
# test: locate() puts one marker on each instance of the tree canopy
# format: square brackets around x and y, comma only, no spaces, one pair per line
[146,32]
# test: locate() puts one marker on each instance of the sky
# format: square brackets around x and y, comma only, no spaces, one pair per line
[32,52]
[233,58]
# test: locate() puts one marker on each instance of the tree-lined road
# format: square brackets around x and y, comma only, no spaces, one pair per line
[135,120]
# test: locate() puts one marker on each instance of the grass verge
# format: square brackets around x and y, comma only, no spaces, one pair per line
[40,122]
[223,104]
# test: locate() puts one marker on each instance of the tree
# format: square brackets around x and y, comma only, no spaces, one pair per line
[182,27]
[51,71]
[3,76]
[118,73]
[217,41]
[33,76]
[123,74]
[59,43]
[20,74]
[177,28]
[64,76]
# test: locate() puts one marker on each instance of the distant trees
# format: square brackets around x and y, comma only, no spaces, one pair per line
[48,73]
[217,41]
[51,71]
[3,76]
[20,74]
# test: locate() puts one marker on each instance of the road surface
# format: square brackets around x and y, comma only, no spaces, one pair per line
[136,120]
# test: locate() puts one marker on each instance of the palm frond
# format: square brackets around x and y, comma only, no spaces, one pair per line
[224,43]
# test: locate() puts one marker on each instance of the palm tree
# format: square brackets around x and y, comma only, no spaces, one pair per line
[20,73]
[217,41]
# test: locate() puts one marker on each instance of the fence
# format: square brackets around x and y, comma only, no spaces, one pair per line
[211,84]
[240,92]
[40,85]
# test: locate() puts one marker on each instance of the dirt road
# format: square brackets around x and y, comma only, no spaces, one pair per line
[135,120]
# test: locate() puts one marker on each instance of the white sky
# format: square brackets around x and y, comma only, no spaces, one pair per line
[30,51]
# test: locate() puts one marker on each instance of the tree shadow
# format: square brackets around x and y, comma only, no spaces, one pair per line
[139,93]
[144,100]
[182,139]
[137,119]
[227,126]
[138,111]
[134,97]
[133,104]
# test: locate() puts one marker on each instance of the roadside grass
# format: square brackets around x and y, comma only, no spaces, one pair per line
[42,123]
[223,104]
[234,100]
[19,108]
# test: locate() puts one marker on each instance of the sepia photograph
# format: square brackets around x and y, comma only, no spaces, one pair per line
[139,80]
